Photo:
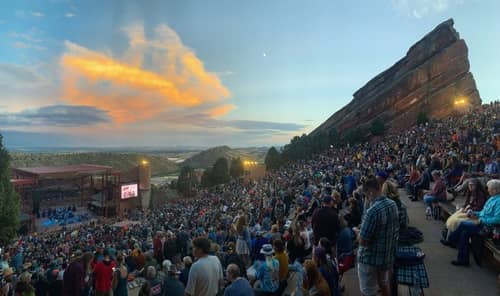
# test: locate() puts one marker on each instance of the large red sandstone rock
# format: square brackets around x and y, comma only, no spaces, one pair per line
[430,78]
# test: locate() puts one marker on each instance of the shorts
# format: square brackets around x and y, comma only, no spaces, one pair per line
[371,279]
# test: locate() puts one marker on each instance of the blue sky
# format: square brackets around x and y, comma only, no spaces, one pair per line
[241,73]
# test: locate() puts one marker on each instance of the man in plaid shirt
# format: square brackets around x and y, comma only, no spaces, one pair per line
[378,239]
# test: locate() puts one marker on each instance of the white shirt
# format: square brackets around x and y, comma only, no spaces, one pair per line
[204,277]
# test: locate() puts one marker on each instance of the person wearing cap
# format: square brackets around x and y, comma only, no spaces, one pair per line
[325,221]
[8,288]
[378,239]
[257,244]
[267,272]
[172,285]
[239,285]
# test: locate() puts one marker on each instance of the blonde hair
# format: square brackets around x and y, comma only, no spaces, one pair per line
[314,279]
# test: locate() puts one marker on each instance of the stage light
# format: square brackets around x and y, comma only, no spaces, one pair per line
[460,101]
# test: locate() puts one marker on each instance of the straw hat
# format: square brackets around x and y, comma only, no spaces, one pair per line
[8,271]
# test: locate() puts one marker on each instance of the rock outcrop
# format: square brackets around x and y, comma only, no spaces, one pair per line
[433,78]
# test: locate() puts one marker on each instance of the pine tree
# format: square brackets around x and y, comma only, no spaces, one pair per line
[9,201]
[236,170]
[220,172]
[273,159]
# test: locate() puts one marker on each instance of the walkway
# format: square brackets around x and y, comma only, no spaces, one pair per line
[445,279]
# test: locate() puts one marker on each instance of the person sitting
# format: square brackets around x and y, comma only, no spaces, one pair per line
[437,194]
[313,282]
[422,184]
[267,273]
[282,257]
[453,172]
[413,179]
[476,197]
[155,282]
[345,248]
[239,285]
[171,284]
[327,270]
[488,217]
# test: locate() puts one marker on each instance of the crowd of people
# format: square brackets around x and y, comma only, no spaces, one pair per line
[294,232]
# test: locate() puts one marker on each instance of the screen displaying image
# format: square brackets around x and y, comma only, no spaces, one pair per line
[129,191]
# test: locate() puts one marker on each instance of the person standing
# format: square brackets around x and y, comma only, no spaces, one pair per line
[378,239]
[325,221]
[239,286]
[103,272]
[120,277]
[75,274]
[206,275]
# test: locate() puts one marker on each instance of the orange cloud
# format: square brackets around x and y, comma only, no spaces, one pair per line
[131,92]
[220,110]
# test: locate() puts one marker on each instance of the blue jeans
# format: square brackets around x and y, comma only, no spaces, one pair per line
[429,200]
[461,236]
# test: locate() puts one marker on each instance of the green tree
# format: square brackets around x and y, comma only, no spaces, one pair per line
[377,127]
[206,178]
[273,159]
[9,201]
[186,181]
[422,118]
[236,170]
[220,171]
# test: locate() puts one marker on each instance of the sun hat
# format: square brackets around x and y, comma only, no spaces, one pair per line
[8,271]
[267,250]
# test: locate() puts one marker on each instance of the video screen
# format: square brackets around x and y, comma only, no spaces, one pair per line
[129,191]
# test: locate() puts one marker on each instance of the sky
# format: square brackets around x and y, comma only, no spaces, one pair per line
[209,73]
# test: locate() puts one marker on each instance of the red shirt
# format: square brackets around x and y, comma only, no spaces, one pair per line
[103,272]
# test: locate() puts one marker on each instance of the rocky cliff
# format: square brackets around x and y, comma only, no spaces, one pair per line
[433,78]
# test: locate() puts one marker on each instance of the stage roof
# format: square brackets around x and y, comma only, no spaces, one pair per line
[69,171]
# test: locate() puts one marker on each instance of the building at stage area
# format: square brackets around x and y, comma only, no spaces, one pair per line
[99,189]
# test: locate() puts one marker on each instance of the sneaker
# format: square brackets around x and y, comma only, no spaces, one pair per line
[428,212]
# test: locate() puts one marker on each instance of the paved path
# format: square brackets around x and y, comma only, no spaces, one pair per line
[445,279]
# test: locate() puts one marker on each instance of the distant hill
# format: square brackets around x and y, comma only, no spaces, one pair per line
[207,158]
[160,164]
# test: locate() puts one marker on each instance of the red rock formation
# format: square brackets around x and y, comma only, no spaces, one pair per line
[432,76]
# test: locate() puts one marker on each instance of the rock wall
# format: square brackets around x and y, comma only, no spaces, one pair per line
[432,77]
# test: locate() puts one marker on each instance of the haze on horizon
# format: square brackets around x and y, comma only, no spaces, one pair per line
[199,73]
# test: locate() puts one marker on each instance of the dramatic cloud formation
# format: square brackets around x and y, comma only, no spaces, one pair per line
[56,115]
[132,91]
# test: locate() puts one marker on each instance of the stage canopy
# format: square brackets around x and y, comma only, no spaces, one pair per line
[62,172]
